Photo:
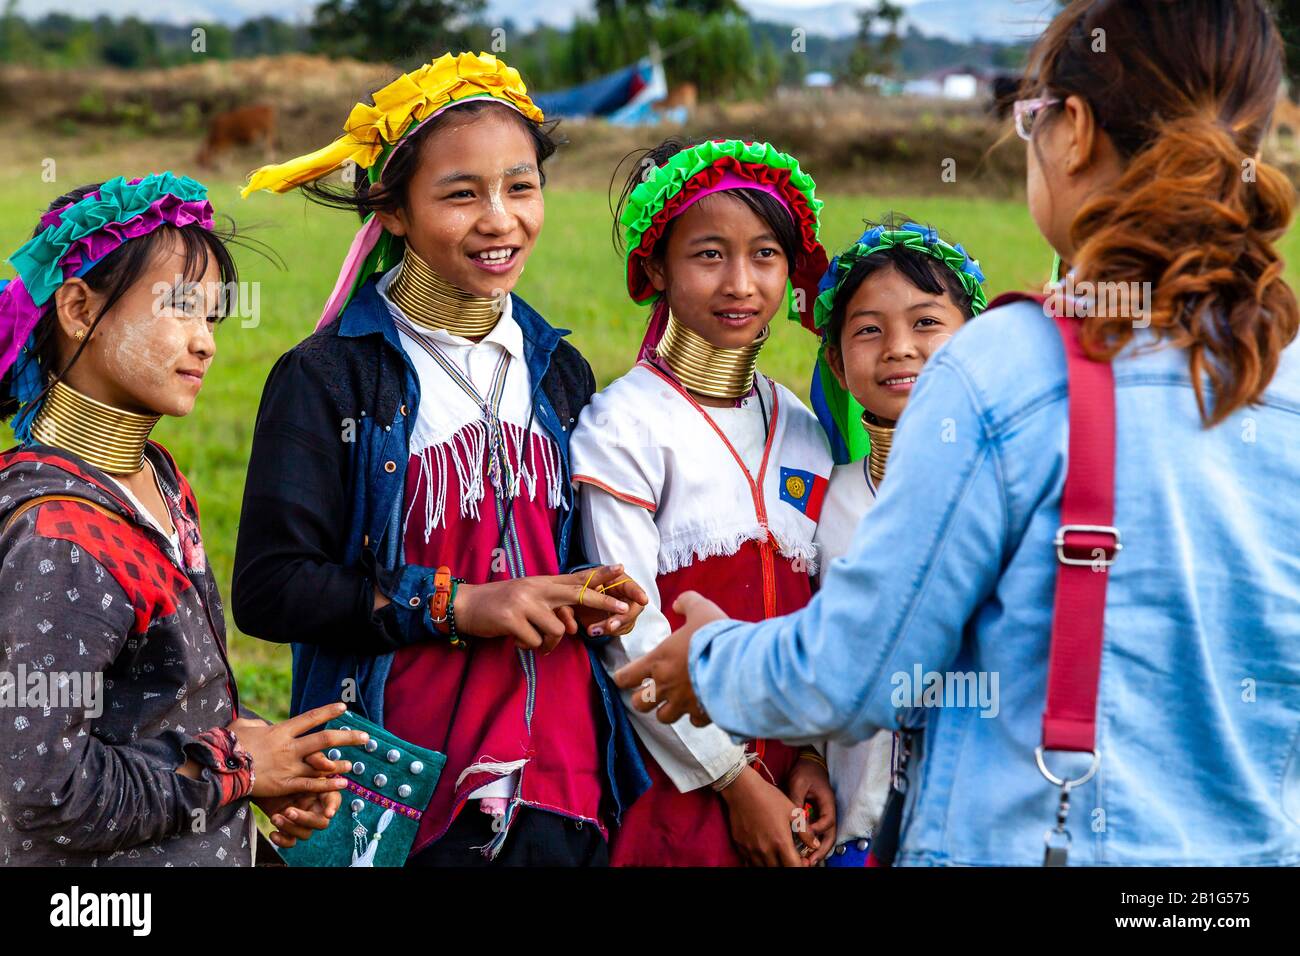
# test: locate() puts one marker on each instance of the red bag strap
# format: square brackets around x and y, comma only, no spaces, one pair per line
[1086,545]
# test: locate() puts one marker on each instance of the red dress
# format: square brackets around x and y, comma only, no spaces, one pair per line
[666,827]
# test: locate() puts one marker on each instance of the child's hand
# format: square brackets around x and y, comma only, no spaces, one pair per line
[612,582]
[809,784]
[536,612]
[663,676]
[296,816]
[763,822]
[286,762]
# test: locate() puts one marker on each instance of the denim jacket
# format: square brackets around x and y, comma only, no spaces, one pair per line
[954,571]
[321,522]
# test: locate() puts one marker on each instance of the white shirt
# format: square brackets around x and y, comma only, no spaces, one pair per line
[659,491]
[744,427]
[859,774]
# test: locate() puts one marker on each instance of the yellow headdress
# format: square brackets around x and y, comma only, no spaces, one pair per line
[373,132]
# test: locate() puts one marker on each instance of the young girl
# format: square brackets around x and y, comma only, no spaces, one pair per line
[408,512]
[123,741]
[703,475]
[887,303]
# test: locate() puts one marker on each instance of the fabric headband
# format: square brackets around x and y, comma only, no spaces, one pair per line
[838,411]
[372,135]
[73,240]
[702,170]
[730,180]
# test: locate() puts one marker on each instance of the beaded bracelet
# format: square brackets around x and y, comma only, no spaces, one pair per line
[452,633]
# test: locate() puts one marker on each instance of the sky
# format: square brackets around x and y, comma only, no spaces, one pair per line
[233,11]
[960,19]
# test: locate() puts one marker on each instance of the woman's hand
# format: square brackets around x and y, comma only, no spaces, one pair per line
[663,675]
[536,612]
[611,582]
[285,762]
[297,816]
[809,784]
[764,823]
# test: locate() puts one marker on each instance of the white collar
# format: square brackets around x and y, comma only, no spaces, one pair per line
[506,333]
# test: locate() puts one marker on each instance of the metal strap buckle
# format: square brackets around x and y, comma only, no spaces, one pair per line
[1056,781]
[1057,840]
[1104,562]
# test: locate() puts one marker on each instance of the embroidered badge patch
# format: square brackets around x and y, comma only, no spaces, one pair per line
[803,490]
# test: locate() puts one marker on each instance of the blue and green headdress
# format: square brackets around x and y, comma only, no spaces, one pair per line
[839,412]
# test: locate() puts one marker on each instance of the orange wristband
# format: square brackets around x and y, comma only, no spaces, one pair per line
[441,598]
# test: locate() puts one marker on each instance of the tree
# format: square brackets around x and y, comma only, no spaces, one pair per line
[876,51]
[1288,22]
[17,45]
[130,43]
[396,31]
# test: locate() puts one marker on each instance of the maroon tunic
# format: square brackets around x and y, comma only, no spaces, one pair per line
[494,702]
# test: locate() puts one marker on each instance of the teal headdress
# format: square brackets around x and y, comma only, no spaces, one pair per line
[839,412]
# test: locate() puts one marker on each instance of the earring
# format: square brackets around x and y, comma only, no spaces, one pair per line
[79,334]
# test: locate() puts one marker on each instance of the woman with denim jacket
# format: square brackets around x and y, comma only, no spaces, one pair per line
[1144,171]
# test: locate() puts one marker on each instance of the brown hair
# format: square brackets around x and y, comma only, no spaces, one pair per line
[1185,90]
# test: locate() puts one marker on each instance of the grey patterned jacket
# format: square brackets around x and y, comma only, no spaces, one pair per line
[112,671]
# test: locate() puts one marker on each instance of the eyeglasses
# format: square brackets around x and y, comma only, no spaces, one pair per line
[1026,112]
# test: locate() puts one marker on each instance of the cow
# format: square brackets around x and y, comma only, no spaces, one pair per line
[244,126]
[683,94]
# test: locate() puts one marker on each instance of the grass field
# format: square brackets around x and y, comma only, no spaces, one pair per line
[574,278]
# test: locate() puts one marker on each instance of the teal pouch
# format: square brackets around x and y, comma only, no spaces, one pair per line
[389,788]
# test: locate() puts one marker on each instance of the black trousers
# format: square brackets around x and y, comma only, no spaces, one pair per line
[536,838]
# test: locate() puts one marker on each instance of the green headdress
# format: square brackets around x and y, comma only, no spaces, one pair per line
[839,412]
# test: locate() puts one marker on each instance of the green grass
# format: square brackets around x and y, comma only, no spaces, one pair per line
[574,279]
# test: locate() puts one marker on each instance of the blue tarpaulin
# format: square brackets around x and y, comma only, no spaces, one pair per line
[599,97]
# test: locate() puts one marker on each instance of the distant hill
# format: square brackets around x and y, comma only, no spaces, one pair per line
[918,55]
[964,21]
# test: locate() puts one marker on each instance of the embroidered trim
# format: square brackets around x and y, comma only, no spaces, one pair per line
[630,499]
[383,801]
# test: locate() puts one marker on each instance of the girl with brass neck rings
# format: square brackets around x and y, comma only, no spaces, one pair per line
[109,326]
[704,474]
[462,399]
[888,303]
